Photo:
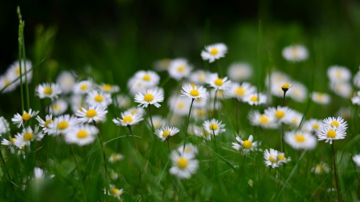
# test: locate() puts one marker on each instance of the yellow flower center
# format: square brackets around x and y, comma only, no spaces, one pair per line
[264,119]
[281,157]
[17,70]
[338,74]
[286,86]
[82,134]
[47,122]
[200,113]
[146,77]
[6,82]
[127,119]
[133,111]
[48,90]
[83,87]
[254,98]
[62,125]
[188,149]
[114,191]
[272,159]
[180,105]
[107,87]
[56,107]
[91,113]
[13,140]
[240,91]
[194,92]
[279,114]
[294,52]
[181,68]
[247,144]
[214,51]
[148,97]
[28,136]
[335,123]
[218,82]
[320,168]
[213,126]
[166,133]
[331,134]
[182,162]
[316,126]
[300,138]
[99,98]
[26,116]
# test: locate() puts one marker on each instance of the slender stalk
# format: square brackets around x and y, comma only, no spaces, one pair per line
[20,68]
[104,158]
[24,59]
[168,143]
[214,140]
[76,162]
[215,96]
[187,122]
[282,137]
[283,101]
[151,121]
[335,173]
[129,127]
[5,168]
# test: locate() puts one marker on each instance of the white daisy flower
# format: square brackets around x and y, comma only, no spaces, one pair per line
[199,131]
[189,148]
[108,88]
[356,79]
[356,159]
[312,126]
[26,116]
[166,132]
[342,89]
[294,119]
[298,92]
[135,85]
[214,126]
[83,87]
[282,159]
[198,77]
[214,52]
[58,107]
[194,92]
[295,53]
[66,80]
[241,91]
[255,99]
[271,158]
[4,126]
[200,102]
[339,74]
[123,101]
[199,113]
[150,97]
[179,105]
[279,114]
[240,71]
[6,81]
[95,98]
[345,112]
[262,120]
[338,122]
[81,134]
[179,68]
[92,114]
[62,124]
[331,133]
[115,157]
[320,98]
[300,140]
[128,119]
[136,110]
[245,145]
[356,99]
[115,192]
[218,83]
[184,164]
[14,71]
[48,90]
[161,65]
[148,78]
[26,136]
[77,102]
[321,168]
[44,124]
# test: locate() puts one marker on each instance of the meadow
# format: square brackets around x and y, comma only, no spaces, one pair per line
[268,112]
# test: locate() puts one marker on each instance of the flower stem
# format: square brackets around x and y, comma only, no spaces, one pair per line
[20,68]
[131,133]
[215,96]
[335,173]
[5,168]
[151,121]
[187,122]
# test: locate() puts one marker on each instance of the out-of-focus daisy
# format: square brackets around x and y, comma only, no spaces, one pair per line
[300,140]
[312,126]
[214,52]
[342,89]
[26,136]
[162,65]
[199,113]
[158,122]
[166,132]
[276,79]
[179,68]
[148,78]
[7,83]
[218,83]
[123,101]
[83,87]
[200,103]
[189,148]
[279,114]
[95,98]
[184,164]
[14,70]
[356,99]
[339,74]
[295,53]
[356,79]
[21,119]
[4,126]
[136,110]
[62,124]
[321,168]
[255,99]
[282,159]
[115,157]
[338,122]
[44,124]
[320,98]
[240,91]
[150,97]
[245,145]
[113,175]
[356,159]
[92,114]
[294,119]
[81,134]
[48,90]
[128,119]
[271,158]
[115,192]
[10,143]
[66,80]
[298,92]
[263,120]
[199,131]
[345,112]
[108,88]
[329,134]
[194,92]
[58,107]
[40,175]
[135,86]
[179,105]
[198,77]
[240,71]
[214,126]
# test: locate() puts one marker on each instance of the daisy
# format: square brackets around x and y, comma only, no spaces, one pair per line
[240,71]
[128,119]
[179,68]
[194,92]
[285,87]
[189,149]
[294,119]
[321,168]
[345,112]
[245,145]
[115,157]
[26,67]
[92,114]
[199,131]
[4,126]
[123,101]
[356,99]
[214,52]
[320,98]
[331,133]
[356,79]
[66,80]
[279,114]
[77,102]
[255,99]
[136,110]
[218,83]
[81,135]
[166,132]
[356,159]
[199,113]
[150,97]
[240,91]
[312,126]
[148,78]
[295,53]
[198,77]
[161,65]
[300,140]
[338,74]
[83,87]
[26,136]
[184,164]
[7,83]
[48,90]
[342,89]
[282,159]
[135,86]
[62,124]
[214,126]
[115,192]
[200,102]
[262,120]
[95,98]
[10,143]
[26,116]
[179,105]
[44,124]
[271,158]
[338,122]
[108,88]
[58,107]
[298,92]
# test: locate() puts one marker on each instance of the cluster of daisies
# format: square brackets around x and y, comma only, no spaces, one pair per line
[10,80]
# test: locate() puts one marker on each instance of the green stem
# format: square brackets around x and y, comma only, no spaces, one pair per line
[129,127]
[335,172]
[151,121]
[5,168]
[215,96]
[20,68]
[187,122]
